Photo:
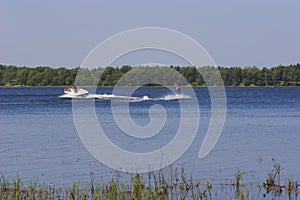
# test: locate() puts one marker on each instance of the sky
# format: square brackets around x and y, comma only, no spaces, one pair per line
[57,33]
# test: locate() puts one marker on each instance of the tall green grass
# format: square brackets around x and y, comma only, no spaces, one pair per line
[166,184]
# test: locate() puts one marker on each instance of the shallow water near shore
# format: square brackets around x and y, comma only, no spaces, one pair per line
[39,141]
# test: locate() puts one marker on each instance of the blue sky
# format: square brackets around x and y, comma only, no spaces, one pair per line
[235,33]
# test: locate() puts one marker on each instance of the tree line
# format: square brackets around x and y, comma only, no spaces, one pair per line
[110,76]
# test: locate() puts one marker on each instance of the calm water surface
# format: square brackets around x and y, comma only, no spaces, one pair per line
[38,138]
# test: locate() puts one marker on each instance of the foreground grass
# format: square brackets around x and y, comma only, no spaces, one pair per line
[169,184]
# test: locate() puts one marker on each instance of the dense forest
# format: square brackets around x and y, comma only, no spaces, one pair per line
[232,76]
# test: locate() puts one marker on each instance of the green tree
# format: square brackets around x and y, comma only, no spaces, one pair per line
[22,76]
[9,74]
[237,76]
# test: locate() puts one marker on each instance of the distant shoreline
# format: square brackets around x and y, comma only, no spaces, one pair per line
[280,76]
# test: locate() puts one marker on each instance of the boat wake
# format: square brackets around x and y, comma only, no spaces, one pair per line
[130,98]
[174,97]
[144,98]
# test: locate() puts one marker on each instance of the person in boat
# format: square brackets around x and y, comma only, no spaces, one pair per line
[66,89]
[75,89]
[178,89]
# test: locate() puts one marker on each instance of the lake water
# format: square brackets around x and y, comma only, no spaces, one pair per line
[39,141]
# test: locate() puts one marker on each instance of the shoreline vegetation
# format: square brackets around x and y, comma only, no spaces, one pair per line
[163,184]
[42,76]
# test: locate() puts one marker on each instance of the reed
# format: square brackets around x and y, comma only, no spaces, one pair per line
[163,185]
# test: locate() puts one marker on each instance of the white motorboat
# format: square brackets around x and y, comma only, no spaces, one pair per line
[75,92]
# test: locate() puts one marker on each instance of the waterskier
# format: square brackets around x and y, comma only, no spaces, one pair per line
[178,89]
